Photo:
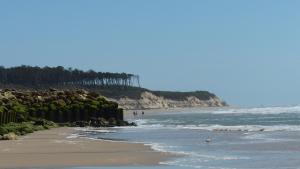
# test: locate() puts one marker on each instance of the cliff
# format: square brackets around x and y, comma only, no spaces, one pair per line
[141,98]
[151,100]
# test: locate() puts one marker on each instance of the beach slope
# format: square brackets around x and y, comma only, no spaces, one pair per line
[53,148]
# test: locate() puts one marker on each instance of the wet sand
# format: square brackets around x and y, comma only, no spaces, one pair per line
[54,148]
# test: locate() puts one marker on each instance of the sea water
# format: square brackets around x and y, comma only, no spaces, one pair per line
[224,138]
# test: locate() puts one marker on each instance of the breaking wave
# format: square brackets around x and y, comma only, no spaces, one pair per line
[260,110]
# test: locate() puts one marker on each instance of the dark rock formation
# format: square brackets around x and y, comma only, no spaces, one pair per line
[61,106]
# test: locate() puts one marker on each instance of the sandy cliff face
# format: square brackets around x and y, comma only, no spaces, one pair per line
[150,101]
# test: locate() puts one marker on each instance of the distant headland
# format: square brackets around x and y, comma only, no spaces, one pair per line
[123,88]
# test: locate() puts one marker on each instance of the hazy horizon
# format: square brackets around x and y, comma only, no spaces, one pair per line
[246,52]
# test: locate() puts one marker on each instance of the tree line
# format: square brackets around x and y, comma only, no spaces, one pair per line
[38,76]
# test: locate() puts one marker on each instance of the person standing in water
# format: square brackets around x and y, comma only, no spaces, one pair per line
[134,114]
[143,114]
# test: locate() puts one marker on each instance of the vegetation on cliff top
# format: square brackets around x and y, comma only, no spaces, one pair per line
[135,93]
[36,76]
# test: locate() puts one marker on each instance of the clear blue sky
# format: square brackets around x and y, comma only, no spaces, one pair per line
[247,52]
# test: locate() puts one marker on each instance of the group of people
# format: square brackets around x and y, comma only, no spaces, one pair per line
[135,113]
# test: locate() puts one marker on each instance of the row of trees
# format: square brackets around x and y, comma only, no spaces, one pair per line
[37,76]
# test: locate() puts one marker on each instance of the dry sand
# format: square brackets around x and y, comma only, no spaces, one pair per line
[52,148]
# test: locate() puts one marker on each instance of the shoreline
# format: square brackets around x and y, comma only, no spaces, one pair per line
[128,113]
[55,148]
[174,109]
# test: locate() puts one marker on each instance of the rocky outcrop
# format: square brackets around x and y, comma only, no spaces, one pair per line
[9,136]
[61,106]
[149,100]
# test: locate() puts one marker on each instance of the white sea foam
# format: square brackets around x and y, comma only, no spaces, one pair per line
[91,129]
[217,127]
[194,159]
[73,136]
[171,149]
[261,110]
[241,127]
[64,141]
[186,164]
[170,124]
[156,147]
[259,137]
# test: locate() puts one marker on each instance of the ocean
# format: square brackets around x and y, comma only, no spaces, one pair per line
[216,138]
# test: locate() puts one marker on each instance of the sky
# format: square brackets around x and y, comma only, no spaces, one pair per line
[246,52]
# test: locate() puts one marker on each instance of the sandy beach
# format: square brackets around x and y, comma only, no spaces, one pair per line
[54,148]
